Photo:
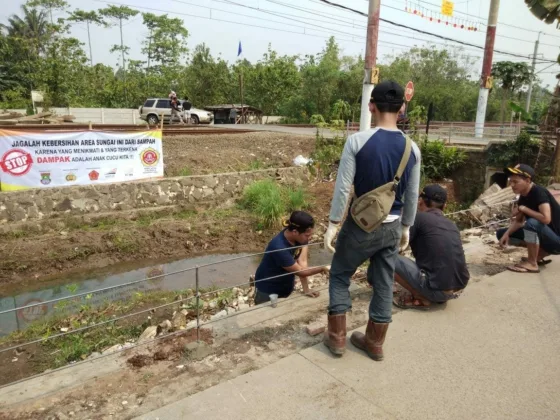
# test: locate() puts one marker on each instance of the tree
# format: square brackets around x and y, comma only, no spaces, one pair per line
[118,14]
[31,28]
[512,76]
[547,10]
[48,5]
[60,74]
[320,78]
[208,79]
[167,42]
[271,81]
[87,17]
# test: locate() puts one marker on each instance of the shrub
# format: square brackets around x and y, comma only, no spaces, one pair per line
[269,202]
[296,200]
[327,153]
[264,199]
[438,160]
[317,119]
[524,149]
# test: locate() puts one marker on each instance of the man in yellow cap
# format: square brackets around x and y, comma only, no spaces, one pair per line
[285,257]
[536,224]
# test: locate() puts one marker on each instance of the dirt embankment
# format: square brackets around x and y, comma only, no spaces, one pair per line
[208,154]
[29,258]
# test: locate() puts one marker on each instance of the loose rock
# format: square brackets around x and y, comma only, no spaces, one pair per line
[164,327]
[180,319]
[148,334]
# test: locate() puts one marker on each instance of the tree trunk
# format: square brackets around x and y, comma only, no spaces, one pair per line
[556,170]
[503,107]
[89,40]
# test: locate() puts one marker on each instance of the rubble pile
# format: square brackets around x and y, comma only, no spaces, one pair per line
[494,203]
[16,118]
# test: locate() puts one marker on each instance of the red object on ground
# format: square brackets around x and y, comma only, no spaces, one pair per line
[316,328]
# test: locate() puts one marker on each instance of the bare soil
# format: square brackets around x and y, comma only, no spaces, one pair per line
[207,154]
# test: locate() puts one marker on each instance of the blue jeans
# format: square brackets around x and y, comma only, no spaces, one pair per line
[534,232]
[353,248]
[418,280]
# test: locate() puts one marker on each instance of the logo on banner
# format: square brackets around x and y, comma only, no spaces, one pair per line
[70,177]
[149,157]
[93,175]
[45,178]
[16,162]
[111,174]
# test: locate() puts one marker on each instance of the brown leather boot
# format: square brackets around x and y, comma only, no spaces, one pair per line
[335,336]
[372,341]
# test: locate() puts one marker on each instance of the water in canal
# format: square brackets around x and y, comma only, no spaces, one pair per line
[171,276]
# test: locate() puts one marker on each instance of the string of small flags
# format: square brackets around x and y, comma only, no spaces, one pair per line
[435,17]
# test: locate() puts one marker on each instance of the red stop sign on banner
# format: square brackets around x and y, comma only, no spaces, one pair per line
[409,91]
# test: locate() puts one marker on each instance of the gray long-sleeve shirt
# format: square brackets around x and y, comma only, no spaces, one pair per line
[370,159]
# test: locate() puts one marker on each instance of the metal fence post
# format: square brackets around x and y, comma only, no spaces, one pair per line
[197,308]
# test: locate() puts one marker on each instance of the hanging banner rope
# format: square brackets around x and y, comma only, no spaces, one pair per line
[443,17]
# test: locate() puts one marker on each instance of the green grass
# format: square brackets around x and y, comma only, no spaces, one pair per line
[270,202]
[256,165]
[185,214]
[296,200]
[124,244]
[60,351]
[185,171]
[264,199]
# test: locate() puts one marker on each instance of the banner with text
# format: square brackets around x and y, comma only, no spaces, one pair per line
[36,160]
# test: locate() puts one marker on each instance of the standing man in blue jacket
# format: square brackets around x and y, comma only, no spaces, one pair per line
[370,159]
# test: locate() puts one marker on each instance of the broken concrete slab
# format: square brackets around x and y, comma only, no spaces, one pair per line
[148,334]
[495,202]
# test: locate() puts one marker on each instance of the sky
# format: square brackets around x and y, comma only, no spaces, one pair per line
[302,27]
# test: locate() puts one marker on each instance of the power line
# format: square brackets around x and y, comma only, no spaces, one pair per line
[336,20]
[425,32]
[305,32]
[311,11]
[322,28]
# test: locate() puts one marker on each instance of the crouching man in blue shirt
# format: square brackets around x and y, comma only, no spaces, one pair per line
[286,256]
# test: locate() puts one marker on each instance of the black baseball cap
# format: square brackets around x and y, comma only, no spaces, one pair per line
[522,170]
[300,220]
[388,92]
[435,193]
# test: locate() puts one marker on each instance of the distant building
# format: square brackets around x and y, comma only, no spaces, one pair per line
[246,114]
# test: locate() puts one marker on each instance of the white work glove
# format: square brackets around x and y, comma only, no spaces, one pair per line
[404,238]
[329,236]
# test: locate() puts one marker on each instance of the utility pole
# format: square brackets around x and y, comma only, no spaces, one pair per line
[123,63]
[241,94]
[370,73]
[486,78]
[530,90]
